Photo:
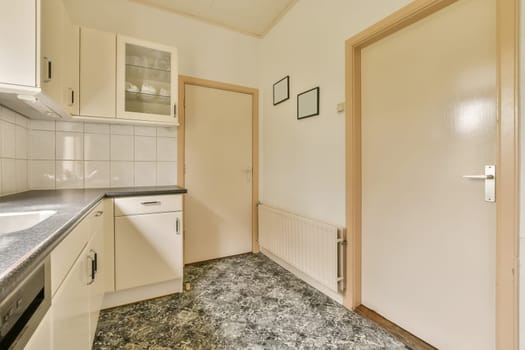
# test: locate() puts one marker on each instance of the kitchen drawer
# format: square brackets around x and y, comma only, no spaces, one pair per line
[65,254]
[148,204]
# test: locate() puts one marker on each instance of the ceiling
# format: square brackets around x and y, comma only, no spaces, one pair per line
[251,17]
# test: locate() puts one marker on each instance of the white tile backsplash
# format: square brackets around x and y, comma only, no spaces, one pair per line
[14,143]
[122,147]
[145,148]
[121,129]
[145,131]
[122,174]
[96,147]
[96,174]
[69,174]
[145,173]
[8,176]
[42,144]
[166,173]
[42,174]
[70,126]
[8,139]
[166,149]
[69,145]
[90,155]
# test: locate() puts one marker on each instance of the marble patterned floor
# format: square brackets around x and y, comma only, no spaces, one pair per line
[241,302]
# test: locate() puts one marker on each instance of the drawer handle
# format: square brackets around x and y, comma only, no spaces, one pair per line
[99,213]
[177,226]
[151,203]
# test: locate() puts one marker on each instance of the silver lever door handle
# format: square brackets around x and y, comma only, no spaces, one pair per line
[479,177]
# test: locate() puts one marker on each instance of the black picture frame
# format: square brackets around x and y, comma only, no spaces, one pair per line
[278,87]
[310,94]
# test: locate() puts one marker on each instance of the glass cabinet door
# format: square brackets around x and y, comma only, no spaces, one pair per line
[147,87]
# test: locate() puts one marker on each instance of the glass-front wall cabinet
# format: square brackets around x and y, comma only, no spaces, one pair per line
[146,81]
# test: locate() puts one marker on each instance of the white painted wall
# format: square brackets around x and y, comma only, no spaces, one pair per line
[205,51]
[302,161]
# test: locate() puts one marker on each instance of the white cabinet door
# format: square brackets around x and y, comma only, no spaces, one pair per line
[148,249]
[70,308]
[147,87]
[97,285]
[71,69]
[53,15]
[97,73]
[41,338]
[19,42]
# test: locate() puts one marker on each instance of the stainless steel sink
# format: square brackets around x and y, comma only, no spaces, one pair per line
[18,221]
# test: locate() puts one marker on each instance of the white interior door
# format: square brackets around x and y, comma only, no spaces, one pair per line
[218,154]
[428,118]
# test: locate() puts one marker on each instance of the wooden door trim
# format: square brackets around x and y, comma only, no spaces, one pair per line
[507,183]
[187,80]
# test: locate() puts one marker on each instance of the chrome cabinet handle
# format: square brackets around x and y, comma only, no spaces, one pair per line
[71,94]
[151,203]
[174,110]
[48,66]
[177,226]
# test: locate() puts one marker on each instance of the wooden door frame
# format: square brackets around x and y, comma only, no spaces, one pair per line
[507,182]
[181,146]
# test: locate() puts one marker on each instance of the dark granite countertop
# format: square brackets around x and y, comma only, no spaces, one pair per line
[22,251]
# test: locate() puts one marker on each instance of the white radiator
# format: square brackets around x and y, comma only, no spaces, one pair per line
[315,249]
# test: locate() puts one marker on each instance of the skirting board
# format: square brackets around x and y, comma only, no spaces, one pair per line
[134,295]
[333,295]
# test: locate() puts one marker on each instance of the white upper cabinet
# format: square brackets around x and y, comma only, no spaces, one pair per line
[147,77]
[19,42]
[59,55]
[97,73]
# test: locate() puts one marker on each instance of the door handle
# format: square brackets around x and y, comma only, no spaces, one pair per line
[490,182]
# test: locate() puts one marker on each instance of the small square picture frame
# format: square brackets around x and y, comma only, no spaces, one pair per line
[281,90]
[308,103]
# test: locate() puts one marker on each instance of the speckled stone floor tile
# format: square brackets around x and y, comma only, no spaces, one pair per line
[241,302]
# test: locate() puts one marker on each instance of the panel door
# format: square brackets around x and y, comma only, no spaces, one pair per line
[148,249]
[97,73]
[218,156]
[428,119]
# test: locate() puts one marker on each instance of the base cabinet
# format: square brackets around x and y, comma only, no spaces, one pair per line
[146,249]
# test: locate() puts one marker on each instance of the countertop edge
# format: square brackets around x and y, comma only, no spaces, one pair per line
[15,274]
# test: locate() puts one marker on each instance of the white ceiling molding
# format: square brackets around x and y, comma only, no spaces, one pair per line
[249,17]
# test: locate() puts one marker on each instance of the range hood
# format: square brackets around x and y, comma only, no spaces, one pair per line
[31,102]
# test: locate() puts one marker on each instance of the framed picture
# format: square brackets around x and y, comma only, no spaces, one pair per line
[281,90]
[308,103]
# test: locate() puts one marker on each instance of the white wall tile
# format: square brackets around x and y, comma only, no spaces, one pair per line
[69,145]
[42,144]
[70,126]
[166,173]
[145,131]
[8,139]
[96,128]
[22,183]
[42,174]
[145,174]
[121,147]
[8,115]
[48,125]
[21,142]
[167,132]
[69,174]
[145,148]
[22,121]
[96,174]
[8,176]
[121,129]
[122,174]
[96,147]
[166,149]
